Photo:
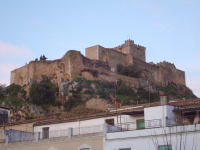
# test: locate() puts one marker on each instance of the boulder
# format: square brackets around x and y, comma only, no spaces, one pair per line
[61,79]
[54,82]
[86,91]
[64,86]
[41,79]
[3,104]
[76,86]
[30,81]
[94,87]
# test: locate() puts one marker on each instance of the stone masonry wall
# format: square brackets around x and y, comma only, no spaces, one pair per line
[96,103]
[73,63]
[91,52]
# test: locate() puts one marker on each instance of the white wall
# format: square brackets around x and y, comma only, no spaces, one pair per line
[89,122]
[148,139]
[159,112]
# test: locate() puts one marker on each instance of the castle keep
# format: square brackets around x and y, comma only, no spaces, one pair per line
[102,59]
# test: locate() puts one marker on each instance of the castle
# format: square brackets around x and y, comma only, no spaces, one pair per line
[73,63]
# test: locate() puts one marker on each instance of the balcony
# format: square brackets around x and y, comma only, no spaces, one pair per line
[138,125]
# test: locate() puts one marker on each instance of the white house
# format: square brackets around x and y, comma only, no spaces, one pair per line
[156,126]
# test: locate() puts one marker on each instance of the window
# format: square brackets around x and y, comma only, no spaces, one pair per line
[45,133]
[165,147]
[110,122]
[125,149]
[140,124]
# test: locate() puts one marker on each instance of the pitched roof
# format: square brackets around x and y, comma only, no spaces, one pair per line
[183,104]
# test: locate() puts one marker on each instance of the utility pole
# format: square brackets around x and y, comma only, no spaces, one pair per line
[149,94]
[114,73]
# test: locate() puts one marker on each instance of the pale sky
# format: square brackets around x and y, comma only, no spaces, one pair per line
[169,29]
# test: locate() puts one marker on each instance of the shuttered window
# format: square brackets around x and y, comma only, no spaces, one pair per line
[140,124]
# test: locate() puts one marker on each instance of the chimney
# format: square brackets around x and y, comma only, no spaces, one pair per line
[163,99]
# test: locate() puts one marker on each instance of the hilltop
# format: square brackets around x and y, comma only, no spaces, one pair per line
[67,86]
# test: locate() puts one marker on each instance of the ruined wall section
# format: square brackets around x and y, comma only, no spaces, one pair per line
[20,75]
[32,70]
[169,73]
[178,76]
[91,52]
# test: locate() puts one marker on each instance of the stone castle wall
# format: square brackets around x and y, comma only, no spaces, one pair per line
[101,59]
[68,67]
[92,52]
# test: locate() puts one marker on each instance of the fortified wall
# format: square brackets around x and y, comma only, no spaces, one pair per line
[68,67]
[102,59]
[162,73]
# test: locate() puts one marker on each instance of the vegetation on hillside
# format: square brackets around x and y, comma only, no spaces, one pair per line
[125,93]
[43,93]
[178,91]
[9,95]
[130,71]
[81,111]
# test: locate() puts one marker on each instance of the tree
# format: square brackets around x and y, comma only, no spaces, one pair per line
[42,94]
[44,57]
[2,90]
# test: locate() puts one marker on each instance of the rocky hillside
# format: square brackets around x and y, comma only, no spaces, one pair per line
[42,97]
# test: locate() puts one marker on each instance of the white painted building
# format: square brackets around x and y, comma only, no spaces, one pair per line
[55,128]
[171,126]
[164,138]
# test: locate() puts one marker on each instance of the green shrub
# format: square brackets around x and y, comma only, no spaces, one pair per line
[14,89]
[94,73]
[49,83]
[131,70]
[89,92]
[72,102]
[44,76]
[143,93]
[107,84]
[123,89]
[57,103]
[119,68]
[78,79]
[42,94]
[30,117]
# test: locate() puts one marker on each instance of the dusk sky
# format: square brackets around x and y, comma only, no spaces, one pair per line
[169,29]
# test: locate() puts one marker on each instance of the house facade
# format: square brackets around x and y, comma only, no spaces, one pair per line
[170,126]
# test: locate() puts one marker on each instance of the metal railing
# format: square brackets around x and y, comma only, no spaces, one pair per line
[58,133]
[87,129]
[76,131]
[129,126]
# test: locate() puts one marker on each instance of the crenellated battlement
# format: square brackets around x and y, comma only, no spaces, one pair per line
[126,44]
[166,64]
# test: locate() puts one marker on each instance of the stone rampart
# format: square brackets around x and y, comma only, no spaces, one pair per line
[101,59]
